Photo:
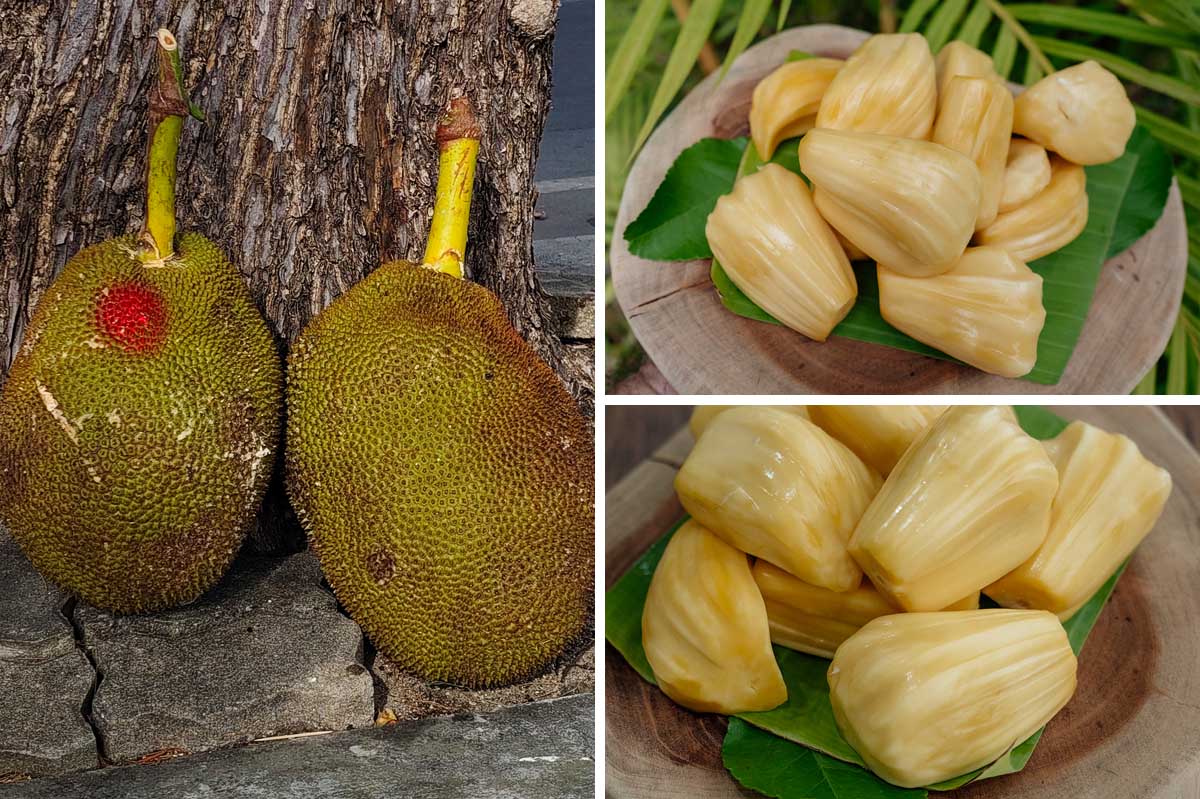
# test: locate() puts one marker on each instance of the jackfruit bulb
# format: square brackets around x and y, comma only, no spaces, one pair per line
[444,476]
[139,424]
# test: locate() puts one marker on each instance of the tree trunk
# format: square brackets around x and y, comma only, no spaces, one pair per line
[316,162]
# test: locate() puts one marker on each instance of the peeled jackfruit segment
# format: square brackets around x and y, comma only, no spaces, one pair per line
[784,104]
[1109,497]
[776,248]
[778,487]
[924,697]
[910,205]
[959,58]
[705,630]
[969,602]
[887,86]
[975,118]
[968,503]
[1081,112]
[1048,222]
[1026,173]
[877,434]
[852,252]
[987,311]
[703,414]
[812,619]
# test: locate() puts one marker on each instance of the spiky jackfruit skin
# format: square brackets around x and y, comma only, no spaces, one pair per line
[138,425]
[444,476]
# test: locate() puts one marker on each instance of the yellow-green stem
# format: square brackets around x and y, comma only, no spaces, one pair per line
[1022,35]
[168,106]
[458,141]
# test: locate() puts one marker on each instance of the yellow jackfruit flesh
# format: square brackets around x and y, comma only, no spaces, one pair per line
[1081,112]
[139,424]
[924,697]
[878,434]
[1048,222]
[910,205]
[968,503]
[811,619]
[1109,497]
[987,311]
[785,103]
[961,59]
[975,118]
[887,86]
[703,414]
[777,249]
[705,630]
[444,476]
[1026,173]
[778,487]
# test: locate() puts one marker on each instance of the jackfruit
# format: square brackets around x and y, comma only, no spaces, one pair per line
[1109,497]
[1026,173]
[785,103]
[777,249]
[975,118]
[887,86]
[139,422]
[704,628]
[961,59]
[910,205]
[778,487]
[1081,112]
[968,503]
[703,414]
[1046,223]
[987,311]
[877,434]
[441,469]
[924,697]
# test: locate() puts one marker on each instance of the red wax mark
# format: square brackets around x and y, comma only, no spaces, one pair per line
[133,316]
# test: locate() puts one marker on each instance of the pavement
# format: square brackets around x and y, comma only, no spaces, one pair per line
[564,238]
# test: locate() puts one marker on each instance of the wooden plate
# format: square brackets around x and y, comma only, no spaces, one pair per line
[701,348]
[1132,729]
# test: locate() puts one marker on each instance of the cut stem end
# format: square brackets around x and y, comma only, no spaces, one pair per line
[458,140]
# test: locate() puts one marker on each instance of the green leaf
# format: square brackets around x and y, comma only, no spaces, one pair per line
[1172,134]
[1005,52]
[1173,13]
[807,717]
[631,52]
[1159,82]
[784,8]
[976,23]
[754,13]
[1189,187]
[943,23]
[915,14]
[1177,360]
[781,769]
[1103,23]
[1147,193]
[692,36]
[1033,73]
[671,227]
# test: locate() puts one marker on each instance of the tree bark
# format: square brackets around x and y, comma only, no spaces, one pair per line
[317,160]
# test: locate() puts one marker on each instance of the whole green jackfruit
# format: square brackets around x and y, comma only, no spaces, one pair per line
[138,425]
[444,476]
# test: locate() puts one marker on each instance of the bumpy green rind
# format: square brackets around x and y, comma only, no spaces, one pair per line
[444,476]
[173,447]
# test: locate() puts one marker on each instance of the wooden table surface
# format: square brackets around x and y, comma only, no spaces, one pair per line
[636,431]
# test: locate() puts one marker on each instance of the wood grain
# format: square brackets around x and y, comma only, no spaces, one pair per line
[701,348]
[1131,729]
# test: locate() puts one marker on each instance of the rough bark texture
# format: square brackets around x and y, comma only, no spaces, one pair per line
[317,160]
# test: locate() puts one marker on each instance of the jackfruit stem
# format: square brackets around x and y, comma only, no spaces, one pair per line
[458,141]
[168,105]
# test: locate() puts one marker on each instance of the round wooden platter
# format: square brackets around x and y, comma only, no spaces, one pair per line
[1131,730]
[702,348]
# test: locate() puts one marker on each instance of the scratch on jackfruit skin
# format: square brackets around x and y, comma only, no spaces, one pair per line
[138,424]
[444,476]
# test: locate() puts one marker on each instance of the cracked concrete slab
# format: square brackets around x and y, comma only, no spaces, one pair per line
[264,653]
[539,751]
[44,677]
